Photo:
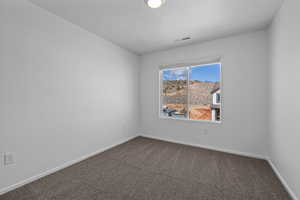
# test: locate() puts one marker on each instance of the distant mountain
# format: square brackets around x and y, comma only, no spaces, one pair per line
[175,92]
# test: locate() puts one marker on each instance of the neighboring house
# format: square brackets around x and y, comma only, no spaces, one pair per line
[216,105]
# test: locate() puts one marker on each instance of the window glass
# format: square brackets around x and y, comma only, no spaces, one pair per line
[174,93]
[204,83]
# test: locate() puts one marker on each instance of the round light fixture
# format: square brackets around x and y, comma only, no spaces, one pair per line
[154,3]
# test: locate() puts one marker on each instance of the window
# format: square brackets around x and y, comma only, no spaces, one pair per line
[191,92]
[218,98]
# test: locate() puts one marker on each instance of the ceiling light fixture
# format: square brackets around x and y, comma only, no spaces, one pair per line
[155,3]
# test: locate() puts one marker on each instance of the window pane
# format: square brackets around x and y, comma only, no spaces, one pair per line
[205,92]
[174,93]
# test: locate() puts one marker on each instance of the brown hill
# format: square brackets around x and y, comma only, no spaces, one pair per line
[175,92]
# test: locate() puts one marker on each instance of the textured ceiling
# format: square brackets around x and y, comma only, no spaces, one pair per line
[132,25]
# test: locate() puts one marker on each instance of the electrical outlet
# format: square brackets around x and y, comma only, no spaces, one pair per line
[8,159]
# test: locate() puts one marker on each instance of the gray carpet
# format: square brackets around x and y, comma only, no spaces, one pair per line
[147,169]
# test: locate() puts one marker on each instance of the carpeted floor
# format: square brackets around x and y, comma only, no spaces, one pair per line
[147,169]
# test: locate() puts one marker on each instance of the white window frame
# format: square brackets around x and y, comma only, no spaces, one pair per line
[188,66]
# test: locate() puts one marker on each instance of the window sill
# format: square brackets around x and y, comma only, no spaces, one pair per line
[189,120]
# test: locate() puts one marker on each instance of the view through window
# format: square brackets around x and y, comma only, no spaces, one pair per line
[191,93]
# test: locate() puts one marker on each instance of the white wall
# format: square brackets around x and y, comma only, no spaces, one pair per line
[285,96]
[245,92]
[65,93]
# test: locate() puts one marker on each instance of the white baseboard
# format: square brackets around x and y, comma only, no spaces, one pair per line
[65,165]
[289,190]
[209,147]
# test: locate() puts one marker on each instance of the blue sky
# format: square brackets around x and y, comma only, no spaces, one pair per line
[209,73]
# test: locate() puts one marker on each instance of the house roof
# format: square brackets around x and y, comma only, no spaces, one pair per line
[215,90]
[215,106]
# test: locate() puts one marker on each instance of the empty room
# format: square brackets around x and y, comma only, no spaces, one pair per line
[149,100]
